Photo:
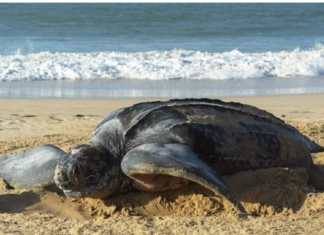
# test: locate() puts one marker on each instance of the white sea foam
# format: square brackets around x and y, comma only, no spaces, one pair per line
[159,65]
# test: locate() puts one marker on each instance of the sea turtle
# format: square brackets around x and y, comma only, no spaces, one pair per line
[160,146]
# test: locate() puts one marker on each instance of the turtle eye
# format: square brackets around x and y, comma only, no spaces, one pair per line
[77,175]
[76,170]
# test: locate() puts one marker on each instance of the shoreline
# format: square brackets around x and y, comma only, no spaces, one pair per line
[161,89]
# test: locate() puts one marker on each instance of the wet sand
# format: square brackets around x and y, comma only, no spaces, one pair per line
[278,200]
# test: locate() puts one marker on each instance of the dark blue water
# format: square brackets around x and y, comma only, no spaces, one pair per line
[135,27]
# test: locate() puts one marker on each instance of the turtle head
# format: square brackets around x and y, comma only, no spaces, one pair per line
[88,171]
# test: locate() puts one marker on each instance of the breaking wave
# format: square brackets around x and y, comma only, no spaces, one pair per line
[162,65]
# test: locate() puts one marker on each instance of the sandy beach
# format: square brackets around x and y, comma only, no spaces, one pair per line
[278,200]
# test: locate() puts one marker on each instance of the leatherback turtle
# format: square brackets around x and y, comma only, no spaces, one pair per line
[160,146]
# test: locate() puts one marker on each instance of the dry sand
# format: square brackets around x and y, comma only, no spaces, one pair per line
[279,201]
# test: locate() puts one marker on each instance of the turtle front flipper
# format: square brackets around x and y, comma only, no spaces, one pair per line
[32,169]
[166,165]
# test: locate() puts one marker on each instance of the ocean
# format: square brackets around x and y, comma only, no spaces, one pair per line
[160,50]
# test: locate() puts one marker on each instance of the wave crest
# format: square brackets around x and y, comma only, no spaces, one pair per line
[162,65]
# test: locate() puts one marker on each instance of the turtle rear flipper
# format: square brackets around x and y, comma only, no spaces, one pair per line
[146,163]
[32,169]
